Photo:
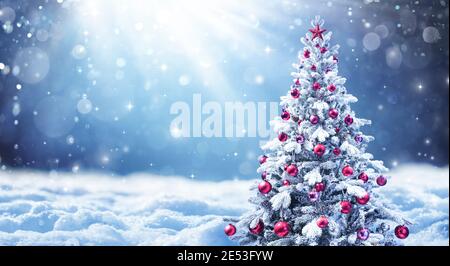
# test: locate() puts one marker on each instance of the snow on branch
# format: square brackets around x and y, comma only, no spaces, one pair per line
[281,200]
[313,176]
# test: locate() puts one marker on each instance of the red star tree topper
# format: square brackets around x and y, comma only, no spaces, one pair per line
[317,32]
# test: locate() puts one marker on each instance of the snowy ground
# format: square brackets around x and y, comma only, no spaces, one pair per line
[36,209]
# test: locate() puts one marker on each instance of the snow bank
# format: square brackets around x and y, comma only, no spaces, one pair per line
[38,209]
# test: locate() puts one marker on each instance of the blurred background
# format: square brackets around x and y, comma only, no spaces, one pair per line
[88,85]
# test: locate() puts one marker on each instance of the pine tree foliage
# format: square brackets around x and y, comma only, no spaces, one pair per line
[317,88]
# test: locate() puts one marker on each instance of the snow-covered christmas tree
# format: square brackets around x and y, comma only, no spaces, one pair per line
[319,183]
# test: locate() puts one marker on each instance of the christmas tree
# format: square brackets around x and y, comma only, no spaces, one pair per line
[318,182]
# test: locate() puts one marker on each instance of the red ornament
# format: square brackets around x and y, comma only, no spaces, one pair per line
[306,53]
[362,234]
[297,82]
[286,183]
[282,137]
[337,151]
[264,175]
[322,222]
[262,159]
[230,230]
[295,93]
[331,88]
[323,50]
[314,119]
[363,200]
[319,150]
[381,180]
[337,130]
[348,120]
[264,187]
[292,170]
[313,68]
[258,228]
[401,231]
[281,229]
[333,113]
[300,139]
[347,170]
[316,86]
[313,196]
[359,138]
[285,115]
[346,207]
[364,177]
[319,187]
[317,32]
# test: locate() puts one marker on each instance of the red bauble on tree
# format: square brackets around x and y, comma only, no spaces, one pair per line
[364,177]
[306,53]
[262,159]
[286,183]
[258,228]
[264,187]
[401,232]
[281,229]
[322,222]
[316,86]
[264,175]
[364,199]
[292,170]
[362,233]
[297,82]
[319,187]
[337,151]
[314,119]
[333,113]
[347,170]
[230,230]
[323,50]
[282,137]
[346,207]
[313,196]
[295,93]
[285,115]
[331,88]
[319,150]
[381,180]
[348,120]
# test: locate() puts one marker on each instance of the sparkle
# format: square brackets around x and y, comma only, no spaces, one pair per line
[268,50]
[420,87]
[427,141]
[105,159]
[129,106]
[176,132]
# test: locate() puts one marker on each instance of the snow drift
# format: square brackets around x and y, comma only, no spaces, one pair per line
[95,209]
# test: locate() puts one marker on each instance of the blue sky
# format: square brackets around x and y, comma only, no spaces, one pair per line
[88,85]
